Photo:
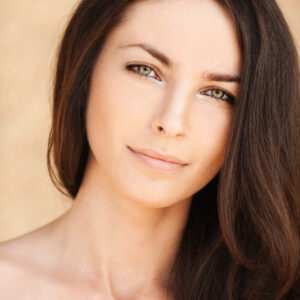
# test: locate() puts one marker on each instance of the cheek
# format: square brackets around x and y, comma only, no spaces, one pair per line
[123,102]
[108,110]
[117,112]
[217,131]
[208,144]
[212,136]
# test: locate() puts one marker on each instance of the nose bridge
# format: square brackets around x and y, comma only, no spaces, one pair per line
[172,117]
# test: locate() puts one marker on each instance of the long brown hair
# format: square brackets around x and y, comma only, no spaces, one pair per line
[241,239]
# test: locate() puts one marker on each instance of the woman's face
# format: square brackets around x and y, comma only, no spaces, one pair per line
[164,84]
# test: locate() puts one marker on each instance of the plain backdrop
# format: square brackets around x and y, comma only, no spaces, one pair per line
[30,31]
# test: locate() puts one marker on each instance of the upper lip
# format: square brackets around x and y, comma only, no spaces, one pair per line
[158,155]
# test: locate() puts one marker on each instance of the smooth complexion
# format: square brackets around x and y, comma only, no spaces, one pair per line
[164,85]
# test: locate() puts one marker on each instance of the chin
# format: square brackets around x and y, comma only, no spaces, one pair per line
[157,194]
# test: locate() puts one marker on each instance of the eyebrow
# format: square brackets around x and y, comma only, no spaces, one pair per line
[222,77]
[155,53]
[167,62]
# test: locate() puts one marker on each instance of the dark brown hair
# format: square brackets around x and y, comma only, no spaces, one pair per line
[241,239]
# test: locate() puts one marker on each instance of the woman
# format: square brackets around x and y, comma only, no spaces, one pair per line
[175,132]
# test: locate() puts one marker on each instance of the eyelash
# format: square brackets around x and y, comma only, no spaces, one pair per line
[132,69]
[228,97]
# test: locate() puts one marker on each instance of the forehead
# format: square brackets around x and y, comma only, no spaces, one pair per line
[193,33]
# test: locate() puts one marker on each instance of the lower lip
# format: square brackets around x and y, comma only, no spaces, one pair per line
[156,164]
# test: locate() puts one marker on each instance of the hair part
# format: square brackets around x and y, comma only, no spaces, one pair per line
[241,239]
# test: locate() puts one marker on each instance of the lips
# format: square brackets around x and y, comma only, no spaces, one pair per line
[163,157]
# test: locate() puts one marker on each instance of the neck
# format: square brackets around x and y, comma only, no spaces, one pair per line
[130,246]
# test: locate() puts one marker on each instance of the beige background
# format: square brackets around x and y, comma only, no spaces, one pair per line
[29,34]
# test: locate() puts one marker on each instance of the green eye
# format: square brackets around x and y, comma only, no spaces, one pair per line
[143,71]
[217,93]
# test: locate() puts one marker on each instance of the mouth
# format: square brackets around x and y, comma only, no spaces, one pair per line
[158,161]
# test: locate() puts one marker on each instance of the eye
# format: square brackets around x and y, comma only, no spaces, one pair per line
[143,71]
[219,94]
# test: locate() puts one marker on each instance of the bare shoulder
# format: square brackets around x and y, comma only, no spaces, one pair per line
[31,268]
[20,264]
[10,273]
[24,250]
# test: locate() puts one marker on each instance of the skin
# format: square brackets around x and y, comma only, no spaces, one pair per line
[119,238]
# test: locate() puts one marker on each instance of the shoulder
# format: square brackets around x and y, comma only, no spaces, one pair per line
[13,268]
[24,265]
[22,251]
[33,267]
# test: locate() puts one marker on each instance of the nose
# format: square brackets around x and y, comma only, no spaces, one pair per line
[172,118]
